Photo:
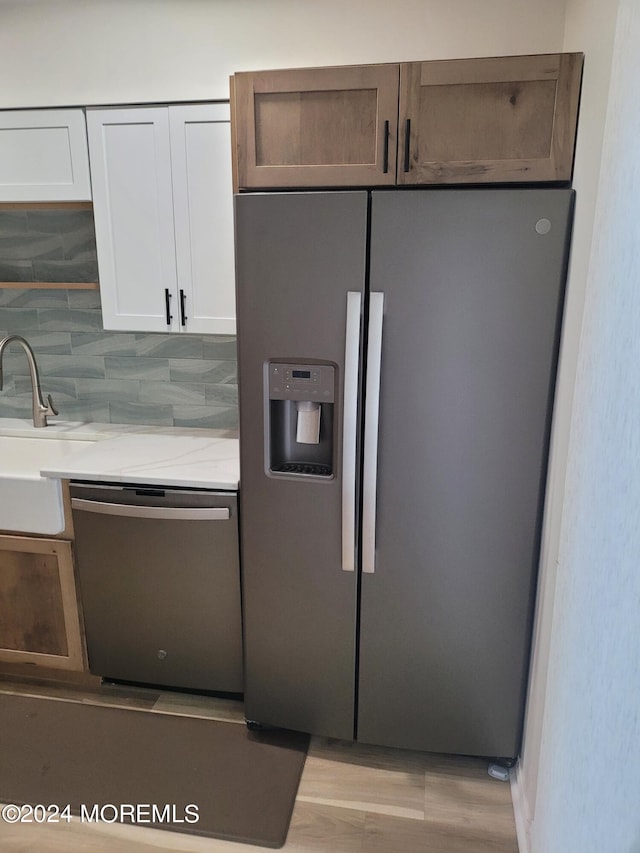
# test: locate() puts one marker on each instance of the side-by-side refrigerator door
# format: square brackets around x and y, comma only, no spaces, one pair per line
[469,319]
[300,261]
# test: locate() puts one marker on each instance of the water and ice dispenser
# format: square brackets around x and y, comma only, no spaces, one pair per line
[301,400]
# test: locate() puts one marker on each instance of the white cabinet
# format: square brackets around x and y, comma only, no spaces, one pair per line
[163,209]
[43,156]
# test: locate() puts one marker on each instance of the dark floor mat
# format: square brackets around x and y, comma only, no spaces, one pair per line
[152,769]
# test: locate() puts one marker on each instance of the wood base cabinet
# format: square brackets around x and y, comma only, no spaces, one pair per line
[506,119]
[39,613]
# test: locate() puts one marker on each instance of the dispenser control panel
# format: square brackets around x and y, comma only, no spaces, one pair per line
[301,382]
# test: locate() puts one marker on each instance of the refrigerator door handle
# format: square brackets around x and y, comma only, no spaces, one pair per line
[371,413]
[349,429]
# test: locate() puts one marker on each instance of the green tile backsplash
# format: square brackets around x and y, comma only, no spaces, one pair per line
[92,374]
[47,245]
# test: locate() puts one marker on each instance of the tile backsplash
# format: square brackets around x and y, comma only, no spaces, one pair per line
[47,245]
[93,374]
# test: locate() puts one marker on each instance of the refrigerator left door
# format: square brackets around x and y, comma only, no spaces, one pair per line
[298,257]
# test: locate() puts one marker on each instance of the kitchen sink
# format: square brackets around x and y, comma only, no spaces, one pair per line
[30,503]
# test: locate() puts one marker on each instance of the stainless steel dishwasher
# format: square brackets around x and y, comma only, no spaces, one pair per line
[160,584]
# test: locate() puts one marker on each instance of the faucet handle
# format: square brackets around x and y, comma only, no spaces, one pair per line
[51,409]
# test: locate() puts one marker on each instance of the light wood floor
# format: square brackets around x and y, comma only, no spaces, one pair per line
[352,798]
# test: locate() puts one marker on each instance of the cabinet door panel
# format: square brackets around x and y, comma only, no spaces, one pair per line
[203,211]
[43,156]
[40,622]
[133,211]
[499,119]
[33,618]
[317,126]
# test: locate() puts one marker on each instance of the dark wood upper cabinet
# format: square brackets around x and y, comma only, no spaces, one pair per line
[504,119]
[501,119]
[316,127]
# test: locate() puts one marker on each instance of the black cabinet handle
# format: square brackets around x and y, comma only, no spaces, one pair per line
[183,316]
[407,138]
[385,156]
[167,305]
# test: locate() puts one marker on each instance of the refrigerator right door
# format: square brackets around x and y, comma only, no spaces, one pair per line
[473,284]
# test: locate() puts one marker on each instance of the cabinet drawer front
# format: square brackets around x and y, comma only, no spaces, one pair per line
[489,120]
[316,127]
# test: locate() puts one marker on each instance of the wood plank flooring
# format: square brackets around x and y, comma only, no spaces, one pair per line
[352,798]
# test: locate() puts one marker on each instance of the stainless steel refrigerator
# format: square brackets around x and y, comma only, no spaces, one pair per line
[397,358]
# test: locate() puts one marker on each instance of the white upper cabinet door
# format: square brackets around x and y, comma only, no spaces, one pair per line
[163,209]
[203,217]
[43,156]
[133,212]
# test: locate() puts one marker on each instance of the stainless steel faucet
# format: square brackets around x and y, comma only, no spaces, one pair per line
[39,408]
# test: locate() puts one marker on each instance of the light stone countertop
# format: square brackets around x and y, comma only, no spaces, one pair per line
[123,453]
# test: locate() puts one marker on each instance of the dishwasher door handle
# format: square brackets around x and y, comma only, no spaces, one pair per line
[198,513]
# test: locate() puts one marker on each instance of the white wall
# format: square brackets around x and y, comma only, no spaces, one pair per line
[68,52]
[589,27]
[589,777]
